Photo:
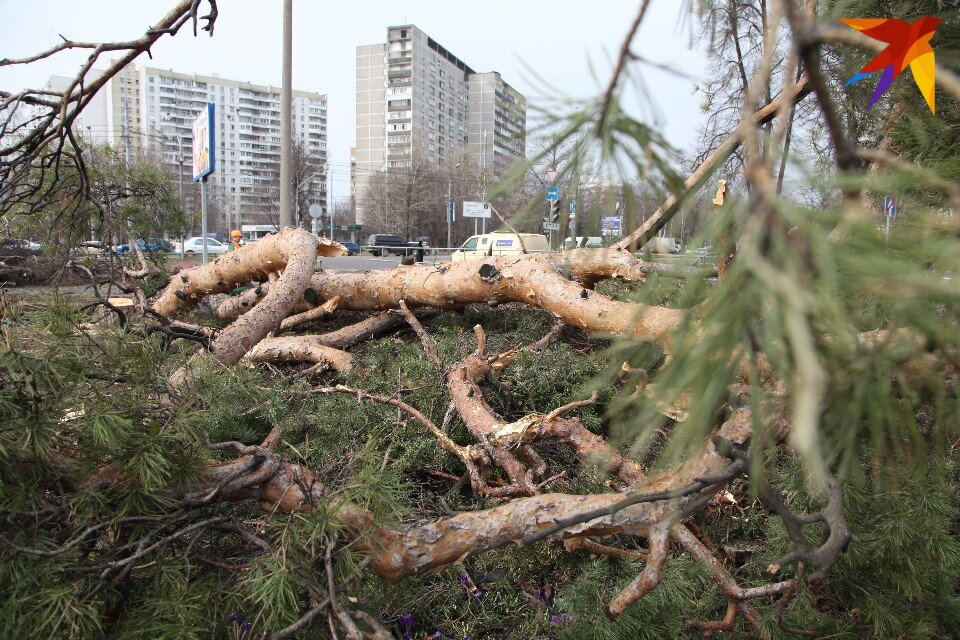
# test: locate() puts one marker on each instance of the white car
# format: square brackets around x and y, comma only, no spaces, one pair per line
[195,245]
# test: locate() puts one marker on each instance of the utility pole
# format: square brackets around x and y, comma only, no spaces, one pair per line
[126,131]
[183,239]
[329,199]
[286,116]
[93,231]
[483,197]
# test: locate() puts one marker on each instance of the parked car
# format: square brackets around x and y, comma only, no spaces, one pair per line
[352,248]
[593,242]
[19,246]
[498,244]
[195,245]
[381,244]
[151,245]
[662,245]
[92,248]
[423,242]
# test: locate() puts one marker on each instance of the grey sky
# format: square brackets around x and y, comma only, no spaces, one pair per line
[561,43]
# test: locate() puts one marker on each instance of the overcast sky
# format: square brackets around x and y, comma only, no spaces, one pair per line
[564,44]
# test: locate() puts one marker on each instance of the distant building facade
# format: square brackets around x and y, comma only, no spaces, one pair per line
[415,97]
[151,111]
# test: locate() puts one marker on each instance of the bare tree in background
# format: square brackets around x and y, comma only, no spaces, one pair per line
[41,156]
[308,184]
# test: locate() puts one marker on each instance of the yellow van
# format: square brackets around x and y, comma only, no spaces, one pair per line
[499,244]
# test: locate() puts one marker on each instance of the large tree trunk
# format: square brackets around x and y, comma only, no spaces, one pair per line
[549,282]
[292,253]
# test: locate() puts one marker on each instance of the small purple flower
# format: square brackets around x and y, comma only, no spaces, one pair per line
[559,618]
[407,620]
[406,636]
[464,581]
[477,594]
[235,616]
[542,594]
[437,634]
[246,629]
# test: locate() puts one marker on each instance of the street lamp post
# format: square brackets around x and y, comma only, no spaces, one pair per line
[449,220]
[329,200]
[183,238]
[484,176]
[286,114]
[450,210]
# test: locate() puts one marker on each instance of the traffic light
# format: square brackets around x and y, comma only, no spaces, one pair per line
[553,214]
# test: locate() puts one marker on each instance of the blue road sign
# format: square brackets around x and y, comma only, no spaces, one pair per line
[889,206]
[573,206]
[452,211]
[553,194]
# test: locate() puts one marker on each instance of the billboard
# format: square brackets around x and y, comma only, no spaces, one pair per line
[476,209]
[204,149]
[610,226]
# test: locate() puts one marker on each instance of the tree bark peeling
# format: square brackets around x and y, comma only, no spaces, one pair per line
[292,251]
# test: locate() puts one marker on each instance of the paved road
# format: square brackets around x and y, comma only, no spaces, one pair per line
[368,263]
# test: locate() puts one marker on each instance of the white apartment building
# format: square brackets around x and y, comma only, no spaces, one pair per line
[415,97]
[151,111]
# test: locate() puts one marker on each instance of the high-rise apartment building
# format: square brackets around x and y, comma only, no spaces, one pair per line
[415,97]
[151,111]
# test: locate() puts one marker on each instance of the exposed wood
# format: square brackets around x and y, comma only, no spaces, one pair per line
[300,349]
[293,251]
[541,280]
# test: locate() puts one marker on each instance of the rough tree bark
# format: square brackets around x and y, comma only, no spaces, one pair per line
[549,282]
[292,253]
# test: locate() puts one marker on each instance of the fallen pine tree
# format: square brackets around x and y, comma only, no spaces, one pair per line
[502,461]
[776,456]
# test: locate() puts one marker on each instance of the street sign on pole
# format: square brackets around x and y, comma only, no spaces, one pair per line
[476,209]
[452,211]
[552,174]
[573,206]
[315,211]
[553,194]
[551,226]
[890,212]
[610,226]
[890,206]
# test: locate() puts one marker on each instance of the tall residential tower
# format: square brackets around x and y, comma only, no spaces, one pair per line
[415,97]
[151,111]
